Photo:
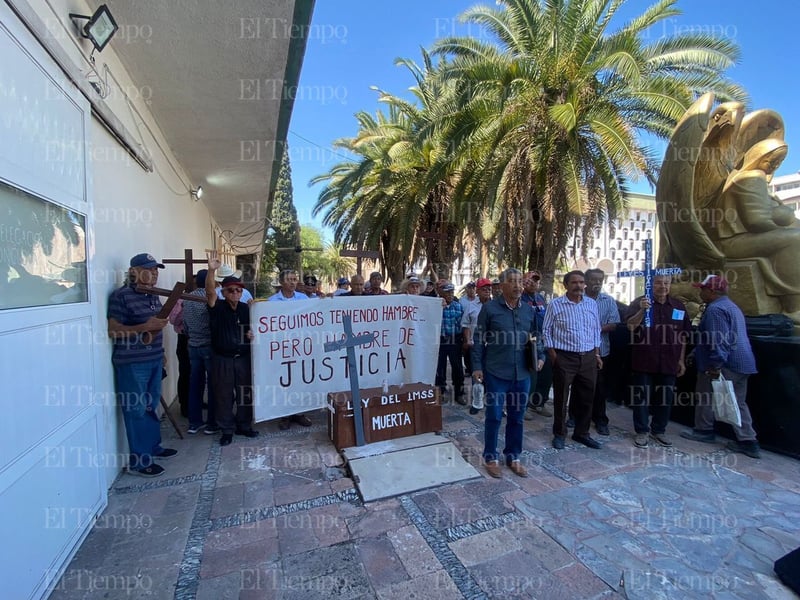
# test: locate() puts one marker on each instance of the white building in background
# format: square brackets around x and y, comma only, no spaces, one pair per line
[787,189]
[101,154]
[623,252]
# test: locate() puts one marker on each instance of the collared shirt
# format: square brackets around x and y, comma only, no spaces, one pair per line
[572,326]
[499,339]
[451,318]
[722,339]
[129,307]
[657,349]
[470,319]
[195,320]
[229,327]
[279,297]
[466,302]
[376,292]
[539,305]
[607,309]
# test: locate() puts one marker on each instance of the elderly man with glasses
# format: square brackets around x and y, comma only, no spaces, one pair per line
[231,337]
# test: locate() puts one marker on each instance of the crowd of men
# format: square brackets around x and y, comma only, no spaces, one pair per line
[502,333]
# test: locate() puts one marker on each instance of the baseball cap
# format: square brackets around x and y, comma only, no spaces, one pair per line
[309,280]
[471,284]
[713,282]
[483,282]
[146,261]
[200,278]
[232,281]
[414,280]
[534,274]
[448,287]
[495,281]
[343,281]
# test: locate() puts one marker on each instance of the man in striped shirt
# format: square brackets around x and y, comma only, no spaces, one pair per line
[571,333]
[138,359]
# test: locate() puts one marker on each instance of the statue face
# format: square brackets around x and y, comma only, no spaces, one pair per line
[770,163]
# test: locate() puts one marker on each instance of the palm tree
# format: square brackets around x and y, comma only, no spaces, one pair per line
[550,113]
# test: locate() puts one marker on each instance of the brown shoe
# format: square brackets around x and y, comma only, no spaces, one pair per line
[517,468]
[493,469]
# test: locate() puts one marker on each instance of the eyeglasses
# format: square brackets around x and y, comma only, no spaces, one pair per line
[234,290]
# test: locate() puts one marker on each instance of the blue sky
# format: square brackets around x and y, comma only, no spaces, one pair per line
[353,44]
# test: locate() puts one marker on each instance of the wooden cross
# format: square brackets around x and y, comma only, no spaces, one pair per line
[360,254]
[173,295]
[648,273]
[430,236]
[187,261]
[350,342]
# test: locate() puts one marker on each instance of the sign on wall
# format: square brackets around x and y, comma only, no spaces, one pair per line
[292,373]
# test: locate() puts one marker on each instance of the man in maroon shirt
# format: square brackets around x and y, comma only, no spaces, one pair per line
[657,360]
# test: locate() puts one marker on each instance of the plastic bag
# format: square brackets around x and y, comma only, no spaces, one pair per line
[726,408]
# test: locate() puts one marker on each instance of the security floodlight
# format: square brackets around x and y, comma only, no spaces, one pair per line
[100,28]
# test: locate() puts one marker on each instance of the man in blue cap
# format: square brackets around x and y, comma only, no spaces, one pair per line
[138,358]
[342,286]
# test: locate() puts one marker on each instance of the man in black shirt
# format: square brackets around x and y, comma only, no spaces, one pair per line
[231,336]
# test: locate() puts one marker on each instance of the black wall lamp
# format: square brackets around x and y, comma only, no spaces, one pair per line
[100,28]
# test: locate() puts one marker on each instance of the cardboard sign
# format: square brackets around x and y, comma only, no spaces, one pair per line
[292,373]
[399,412]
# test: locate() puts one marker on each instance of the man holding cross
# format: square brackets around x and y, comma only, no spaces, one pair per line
[657,359]
[138,358]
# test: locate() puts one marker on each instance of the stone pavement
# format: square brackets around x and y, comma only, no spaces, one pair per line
[278,517]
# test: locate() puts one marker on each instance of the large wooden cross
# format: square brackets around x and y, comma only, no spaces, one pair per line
[187,261]
[360,254]
[350,342]
[648,273]
[173,295]
[429,237]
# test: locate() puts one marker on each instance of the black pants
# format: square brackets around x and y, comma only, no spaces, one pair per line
[232,382]
[574,377]
[184,372]
[450,349]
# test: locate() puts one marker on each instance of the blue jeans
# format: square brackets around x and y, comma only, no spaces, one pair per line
[138,387]
[651,394]
[514,396]
[200,359]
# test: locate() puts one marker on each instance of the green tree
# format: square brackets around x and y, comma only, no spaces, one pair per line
[284,227]
[551,109]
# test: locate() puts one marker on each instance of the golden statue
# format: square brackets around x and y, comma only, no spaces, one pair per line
[715,210]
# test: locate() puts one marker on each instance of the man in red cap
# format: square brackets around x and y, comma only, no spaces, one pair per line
[722,349]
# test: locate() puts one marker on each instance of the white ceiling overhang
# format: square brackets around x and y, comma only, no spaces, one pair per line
[217,71]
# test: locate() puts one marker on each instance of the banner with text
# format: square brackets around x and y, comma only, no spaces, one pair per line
[293,373]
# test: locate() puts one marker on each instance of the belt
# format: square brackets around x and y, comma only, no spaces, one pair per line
[575,353]
[236,355]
